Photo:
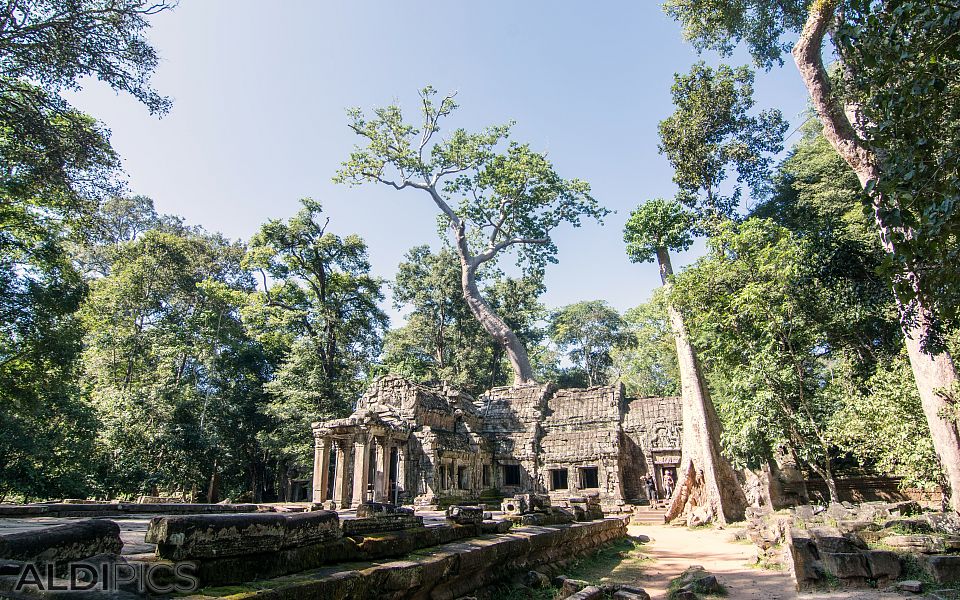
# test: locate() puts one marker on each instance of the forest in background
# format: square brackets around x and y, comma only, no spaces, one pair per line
[140,353]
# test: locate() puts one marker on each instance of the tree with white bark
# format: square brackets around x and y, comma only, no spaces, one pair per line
[706,482]
[494,196]
[918,35]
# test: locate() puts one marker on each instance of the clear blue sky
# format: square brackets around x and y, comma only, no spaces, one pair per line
[260,90]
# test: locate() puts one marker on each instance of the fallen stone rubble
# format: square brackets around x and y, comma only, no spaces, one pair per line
[859,546]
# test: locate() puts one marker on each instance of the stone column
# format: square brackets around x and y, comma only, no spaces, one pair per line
[321,469]
[341,486]
[382,491]
[361,470]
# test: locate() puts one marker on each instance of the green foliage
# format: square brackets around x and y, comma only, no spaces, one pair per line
[817,196]
[647,365]
[55,162]
[657,225]
[589,331]
[902,62]
[56,44]
[441,340]
[174,376]
[505,194]
[721,26]
[712,132]
[745,304]
[883,424]
[318,314]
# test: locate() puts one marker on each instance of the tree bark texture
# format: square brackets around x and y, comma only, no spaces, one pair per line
[705,479]
[935,374]
[489,320]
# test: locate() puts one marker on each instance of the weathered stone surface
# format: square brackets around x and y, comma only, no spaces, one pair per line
[884,565]
[209,536]
[71,541]
[943,568]
[301,529]
[536,580]
[381,524]
[846,565]
[927,544]
[911,585]
[631,593]
[569,586]
[829,539]
[464,515]
[591,592]
[381,509]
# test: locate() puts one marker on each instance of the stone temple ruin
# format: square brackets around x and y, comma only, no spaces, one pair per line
[407,443]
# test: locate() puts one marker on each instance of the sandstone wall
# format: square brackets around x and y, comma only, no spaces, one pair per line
[448,571]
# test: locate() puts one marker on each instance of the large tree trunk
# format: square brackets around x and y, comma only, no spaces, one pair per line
[489,320]
[935,374]
[705,479]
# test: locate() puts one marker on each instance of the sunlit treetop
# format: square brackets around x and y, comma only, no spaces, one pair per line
[657,224]
[500,194]
[721,25]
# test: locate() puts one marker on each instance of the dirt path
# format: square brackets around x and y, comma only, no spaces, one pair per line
[673,549]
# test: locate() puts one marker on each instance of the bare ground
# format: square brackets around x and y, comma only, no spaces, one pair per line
[673,549]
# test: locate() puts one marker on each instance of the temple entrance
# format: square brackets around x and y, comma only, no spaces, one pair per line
[392,486]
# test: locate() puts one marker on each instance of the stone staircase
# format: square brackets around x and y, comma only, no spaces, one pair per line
[649,515]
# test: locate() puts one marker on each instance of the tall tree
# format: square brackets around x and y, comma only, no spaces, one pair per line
[317,309]
[54,163]
[160,329]
[589,331]
[706,480]
[891,52]
[753,305]
[441,341]
[493,196]
[712,132]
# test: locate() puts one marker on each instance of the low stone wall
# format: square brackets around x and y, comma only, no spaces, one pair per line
[71,541]
[188,537]
[448,571]
[113,509]
[232,570]
[380,524]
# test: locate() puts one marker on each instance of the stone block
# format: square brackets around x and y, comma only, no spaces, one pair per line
[926,544]
[71,541]
[943,568]
[571,586]
[513,506]
[845,565]
[829,539]
[591,592]
[536,580]
[630,593]
[183,537]
[381,524]
[883,564]
[301,529]
[910,585]
[381,509]
[466,515]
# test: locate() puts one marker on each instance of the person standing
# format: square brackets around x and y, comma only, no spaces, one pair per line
[668,484]
[651,489]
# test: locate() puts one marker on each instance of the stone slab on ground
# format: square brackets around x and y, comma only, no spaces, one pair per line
[65,542]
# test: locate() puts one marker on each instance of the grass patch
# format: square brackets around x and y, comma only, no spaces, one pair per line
[618,562]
